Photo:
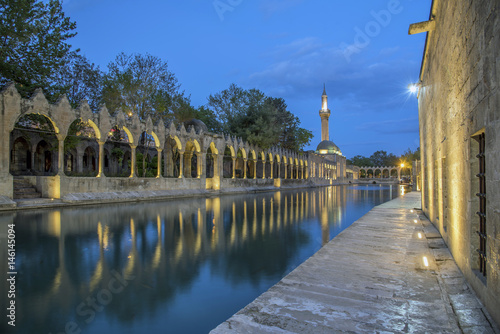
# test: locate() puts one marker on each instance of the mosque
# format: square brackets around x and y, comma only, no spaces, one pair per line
[326,147]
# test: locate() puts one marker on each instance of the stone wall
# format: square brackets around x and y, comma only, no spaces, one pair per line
[459,100]
[189,159]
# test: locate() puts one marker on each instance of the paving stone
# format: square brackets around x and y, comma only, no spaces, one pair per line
[472,317]
[370,279]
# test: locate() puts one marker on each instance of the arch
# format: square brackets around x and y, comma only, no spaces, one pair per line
[34,117]
[385,173]
[210,166]
[362,173]
[213,148]
[130,136]
[171,157]
[20,157]
[394,173]
[177,141]
[260,165]
[243,153]
[192,159]
[44,160]
[227,162]
[276,166]
[116,146]
[89,161]
[369,173]
[80,136]
[241,164]
[94,127]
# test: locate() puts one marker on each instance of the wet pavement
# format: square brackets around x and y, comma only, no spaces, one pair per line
[390,272]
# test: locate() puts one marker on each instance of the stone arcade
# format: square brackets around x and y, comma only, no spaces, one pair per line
[191,159]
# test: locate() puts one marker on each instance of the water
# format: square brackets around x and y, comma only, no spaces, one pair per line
[180,266]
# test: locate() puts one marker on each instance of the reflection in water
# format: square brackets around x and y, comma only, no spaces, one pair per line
[176,266]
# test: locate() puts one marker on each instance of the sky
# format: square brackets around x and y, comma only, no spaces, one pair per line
[360,50]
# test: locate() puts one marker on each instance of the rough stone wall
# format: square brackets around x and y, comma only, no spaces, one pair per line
[186,141]
[459,98]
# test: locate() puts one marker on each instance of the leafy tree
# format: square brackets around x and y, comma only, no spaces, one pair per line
[381,158]
[208,117]
[142,85]
[292,136]
[359,161]
[81,79]
[257,118]
[33,47]
[229,105]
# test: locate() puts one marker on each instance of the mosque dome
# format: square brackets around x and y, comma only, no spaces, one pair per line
[328,147]
[198,125]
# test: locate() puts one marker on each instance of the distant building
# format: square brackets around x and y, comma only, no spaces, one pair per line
[459,115]
[327,148]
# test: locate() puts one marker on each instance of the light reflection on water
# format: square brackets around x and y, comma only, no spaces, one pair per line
[181,266]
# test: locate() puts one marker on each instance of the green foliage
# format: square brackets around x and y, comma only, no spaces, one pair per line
[208,117]
[257,118]
[381,158]
[142,85]
[81,80]
[146,168]
[34,47]
[359,161]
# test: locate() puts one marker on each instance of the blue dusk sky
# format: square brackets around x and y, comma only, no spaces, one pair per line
[360,49]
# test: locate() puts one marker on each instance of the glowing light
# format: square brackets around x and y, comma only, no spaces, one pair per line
[411,211]
[415,221]
[426,263]
[402,165]
[413,88]
[420,235]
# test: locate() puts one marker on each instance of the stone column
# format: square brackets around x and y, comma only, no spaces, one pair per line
[101,159]
[201,160]
[168,163]
[158,172]
[263,169]
[181,164]
[187,164]
[132,160]
[271,175]
[302,172]
[234,168]
[255,169]
[284,176]
[60,156]
[245,168]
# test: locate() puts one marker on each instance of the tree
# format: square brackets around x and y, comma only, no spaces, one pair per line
[359,161]
[229,105]
[257,118]
[142,85]
[33,46]
[292,136]
[80,80]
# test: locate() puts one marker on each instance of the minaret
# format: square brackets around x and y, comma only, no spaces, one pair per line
[324,113]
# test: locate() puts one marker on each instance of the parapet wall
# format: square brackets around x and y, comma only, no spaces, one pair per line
[221,160]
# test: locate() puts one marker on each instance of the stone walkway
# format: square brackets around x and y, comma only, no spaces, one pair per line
[372,278]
